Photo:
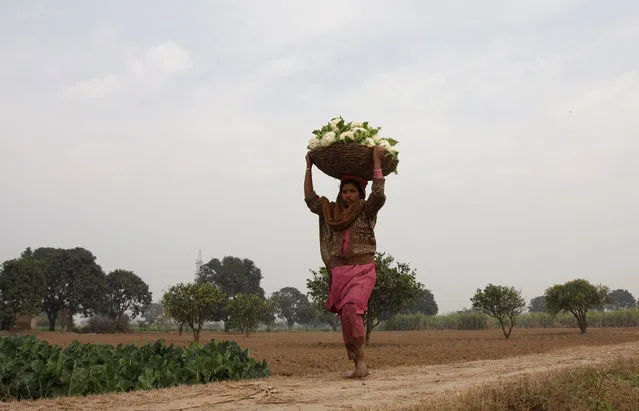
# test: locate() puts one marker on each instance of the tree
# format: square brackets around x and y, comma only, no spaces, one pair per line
[268,316]
[577,297]
[395,290]
[500,302]
[194,304]
[307,314]
[233,275]
[176,303]
[538,304]
[620,300]
[289,301]
[423,304]
[153,313]
[74,281]
[246,311]
[325,317]
[22,288]
[125,292]
[317,285]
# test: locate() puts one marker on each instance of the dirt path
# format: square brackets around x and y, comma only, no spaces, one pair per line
[385,388]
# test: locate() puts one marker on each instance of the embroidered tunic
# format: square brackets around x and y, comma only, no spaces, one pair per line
[359,239]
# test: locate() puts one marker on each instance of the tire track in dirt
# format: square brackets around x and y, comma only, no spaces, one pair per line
[386,388]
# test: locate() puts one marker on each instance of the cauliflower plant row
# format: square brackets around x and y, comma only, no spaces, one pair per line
[338,131]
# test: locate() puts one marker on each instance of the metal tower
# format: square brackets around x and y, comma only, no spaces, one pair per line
[198,262]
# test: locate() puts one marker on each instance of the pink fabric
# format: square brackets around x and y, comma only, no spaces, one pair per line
[351,284]
[378,174]
[353,330]
[345,242]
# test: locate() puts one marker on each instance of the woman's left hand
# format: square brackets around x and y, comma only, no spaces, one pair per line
[379,151]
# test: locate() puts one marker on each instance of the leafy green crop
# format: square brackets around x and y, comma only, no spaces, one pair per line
[31,369]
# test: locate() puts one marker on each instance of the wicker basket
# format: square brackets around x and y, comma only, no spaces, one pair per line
[355,159]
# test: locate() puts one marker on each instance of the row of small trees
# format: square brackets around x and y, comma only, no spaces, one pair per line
[618,299]
[64,282]
[229,290]
[194,304]
[225,290]
[577,297]
[69,281]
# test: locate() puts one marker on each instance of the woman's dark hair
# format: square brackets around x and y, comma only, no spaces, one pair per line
[357,184]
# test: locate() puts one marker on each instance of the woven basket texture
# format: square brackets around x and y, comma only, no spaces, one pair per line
[355,159]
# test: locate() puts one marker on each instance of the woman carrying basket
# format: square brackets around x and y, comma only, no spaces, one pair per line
[348,246]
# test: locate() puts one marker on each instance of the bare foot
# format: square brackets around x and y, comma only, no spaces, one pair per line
[360,371]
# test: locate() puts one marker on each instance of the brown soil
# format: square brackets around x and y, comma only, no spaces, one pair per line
[406,367]
[314,353]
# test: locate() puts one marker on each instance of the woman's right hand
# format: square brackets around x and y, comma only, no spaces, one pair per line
[379,152]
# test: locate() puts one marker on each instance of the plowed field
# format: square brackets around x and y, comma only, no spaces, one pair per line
[407,368]
[312,353]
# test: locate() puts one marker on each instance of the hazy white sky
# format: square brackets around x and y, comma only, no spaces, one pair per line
[146,131]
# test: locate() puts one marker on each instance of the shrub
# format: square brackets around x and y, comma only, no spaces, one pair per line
[101,324]
[478,321]
[472,321]
[619,318]
[541,320]
[456,321]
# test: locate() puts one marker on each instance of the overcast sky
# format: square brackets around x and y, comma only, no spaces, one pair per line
[144,131]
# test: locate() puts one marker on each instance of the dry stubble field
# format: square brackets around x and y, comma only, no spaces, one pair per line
[306,366]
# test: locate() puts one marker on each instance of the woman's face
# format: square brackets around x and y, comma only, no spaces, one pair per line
[349,194]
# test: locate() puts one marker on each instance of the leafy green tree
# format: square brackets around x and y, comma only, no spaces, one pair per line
[395,290]
[74,281]
[307,314]
[194,304]
[289,301]
[500,302]
[317,285]
[423,304]
[22,288]
[246,312]
[620,300]
[269,314]
[538,304]
[325,317]
[166,320]
[125,292]
[153,313]
[577,297]
[233,275]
